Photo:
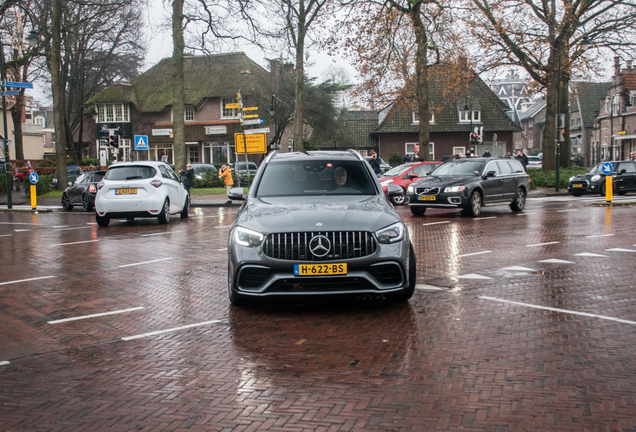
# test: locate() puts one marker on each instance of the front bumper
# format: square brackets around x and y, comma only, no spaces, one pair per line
[441,200]
[583,187]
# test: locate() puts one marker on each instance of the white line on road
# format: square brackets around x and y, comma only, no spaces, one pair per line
[563,211]
[17,223]
[6,235]
[619,250]
[473,276]
[76,228]
[26,280]
[436,223]
[600,235]
[224,226]
[64,244]
[2,363]
[127,338]
[542,244]
[426,287]
[23,230]
[204,217]
[222,249]
[560,310]
[590,254]
[474,253]
[60,226]
[145,262]
[161,233]
[92,223]
[525,214]
[490,217]
[96,315]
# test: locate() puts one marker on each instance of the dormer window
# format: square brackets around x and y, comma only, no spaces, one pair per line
[465,116]
[416,118]
[189,113]
[117,112]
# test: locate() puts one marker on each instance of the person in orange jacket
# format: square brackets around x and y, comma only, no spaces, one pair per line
[226,174]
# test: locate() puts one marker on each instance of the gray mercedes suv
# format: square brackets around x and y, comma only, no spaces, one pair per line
[318,223]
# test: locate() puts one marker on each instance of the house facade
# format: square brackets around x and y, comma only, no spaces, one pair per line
[143,107]
[532,122]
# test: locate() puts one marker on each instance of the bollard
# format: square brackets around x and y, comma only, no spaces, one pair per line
[608,189]
[33,197]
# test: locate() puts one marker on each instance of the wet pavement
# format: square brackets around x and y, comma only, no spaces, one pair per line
[520,321]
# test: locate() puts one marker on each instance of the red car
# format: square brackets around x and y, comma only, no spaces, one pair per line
[404,175]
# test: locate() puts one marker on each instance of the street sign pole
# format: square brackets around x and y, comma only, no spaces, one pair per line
[7,159]
[247,171]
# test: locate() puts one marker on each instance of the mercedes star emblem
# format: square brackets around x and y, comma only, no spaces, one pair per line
[319,246]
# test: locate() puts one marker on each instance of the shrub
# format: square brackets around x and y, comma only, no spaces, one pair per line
[394,159]
[90,161]
[43,186]
[547,179]
[210,179]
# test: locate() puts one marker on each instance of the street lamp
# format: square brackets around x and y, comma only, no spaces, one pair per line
[469,109]
[32,39]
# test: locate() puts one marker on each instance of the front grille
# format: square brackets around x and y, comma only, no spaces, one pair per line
[387,274]
[253,277]
[427,191]
[344,245]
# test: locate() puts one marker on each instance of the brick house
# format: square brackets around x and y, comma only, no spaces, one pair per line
[532,122]
[585,101]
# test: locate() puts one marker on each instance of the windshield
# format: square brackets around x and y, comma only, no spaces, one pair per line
[241,166]
[398,170]
[129,172]
[460,168]
[315,178]
[204,168]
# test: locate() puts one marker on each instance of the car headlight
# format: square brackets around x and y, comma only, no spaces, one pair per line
[386,182]
[455,189]
[245,237]
[595,178]
[391,234]
[571,178]
[410,189]
[199,176]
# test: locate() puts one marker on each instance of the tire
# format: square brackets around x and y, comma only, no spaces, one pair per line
[164,216]
[474,205]
[408,291]
[418,211]
[86,204]
[520,201]
[398,199]
[236,299]
[66,203]
[102,221]
[186,206]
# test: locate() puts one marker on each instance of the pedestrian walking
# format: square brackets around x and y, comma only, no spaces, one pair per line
[486,153]
[226,174]
[375,163]
[187,177]
[522,158]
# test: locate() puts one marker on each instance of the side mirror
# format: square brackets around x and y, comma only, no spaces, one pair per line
[491,173]
[70,183]
[237,194]
[623,171]
[394,190]
[412,176]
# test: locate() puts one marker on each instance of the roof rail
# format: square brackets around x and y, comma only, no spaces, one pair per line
[269,156]
[355,153]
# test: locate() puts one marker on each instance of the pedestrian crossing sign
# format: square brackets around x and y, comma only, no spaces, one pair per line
[141,142]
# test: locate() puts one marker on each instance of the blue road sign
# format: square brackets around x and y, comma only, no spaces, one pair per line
[607,168]
[10,93]
[34,177]
[251,122]
[14,84]
[141,142]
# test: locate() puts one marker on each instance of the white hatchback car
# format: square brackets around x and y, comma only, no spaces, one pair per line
[139,190]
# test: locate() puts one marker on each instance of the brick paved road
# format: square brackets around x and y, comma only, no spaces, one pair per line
[480,350]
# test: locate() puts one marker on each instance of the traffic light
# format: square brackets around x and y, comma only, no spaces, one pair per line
[473,137]
[113,141]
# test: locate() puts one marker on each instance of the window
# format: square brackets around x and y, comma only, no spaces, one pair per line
[409,150]
[113,113]
[465,116]
[616,105]
[416,118]
[39,121]
[459,150]
[228,113]
[189,113]
[193,153]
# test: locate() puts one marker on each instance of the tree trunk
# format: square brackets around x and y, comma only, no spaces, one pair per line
[178,105]
[299,106]
[421,64]
[16,115]
[57,88]
[549,133]
[564,100]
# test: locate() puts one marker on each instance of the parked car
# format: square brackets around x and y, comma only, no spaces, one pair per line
[201,169]
[383,165]
[240,169]
[83,191]
[623,179]
[72,173]
[534,162]
[471,184]
[404,175]
[139,190]
[318,223]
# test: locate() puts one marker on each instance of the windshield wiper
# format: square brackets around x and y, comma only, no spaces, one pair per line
[133,177]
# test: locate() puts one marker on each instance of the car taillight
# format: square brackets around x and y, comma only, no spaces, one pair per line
[100,184]
[92,188]
[156,183]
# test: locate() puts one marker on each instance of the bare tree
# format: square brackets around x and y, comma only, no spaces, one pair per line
[178,89]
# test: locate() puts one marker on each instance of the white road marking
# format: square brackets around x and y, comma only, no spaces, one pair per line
[525,214]
[96,315]
[542,244]
[92,223]
[222,249]
[556,261]
[560,310]
[145,262]
[426,287]
[64,244]
[6,235]
[161,233]
[127,338]
[490,217]
[473,276]
[2,363]
[436,223]
[474,253]
[224,226]
[76,228]
[590,254]
[17,223]
[517,268]
[60,226]
[204,217]
[563,211]
[26,280]
[23,230]
[619,250]
[599,235]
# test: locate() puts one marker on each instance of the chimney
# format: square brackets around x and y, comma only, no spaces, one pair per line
[275,74]
[617,66]
[629,65]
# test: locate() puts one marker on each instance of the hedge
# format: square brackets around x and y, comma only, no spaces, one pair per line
[43,186]
[547,179]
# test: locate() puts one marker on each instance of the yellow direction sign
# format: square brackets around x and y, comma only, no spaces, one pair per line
[251,116]
[250,109]
[232,106]
[255,143]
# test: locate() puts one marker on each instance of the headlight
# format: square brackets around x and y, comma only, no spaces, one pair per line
[199,176]
[410,189]
[571,178]
[391,234]
[386,182]
[595,178]
[246,237]
[455,189]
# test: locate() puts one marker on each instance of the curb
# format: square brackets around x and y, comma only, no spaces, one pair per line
[25,210]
